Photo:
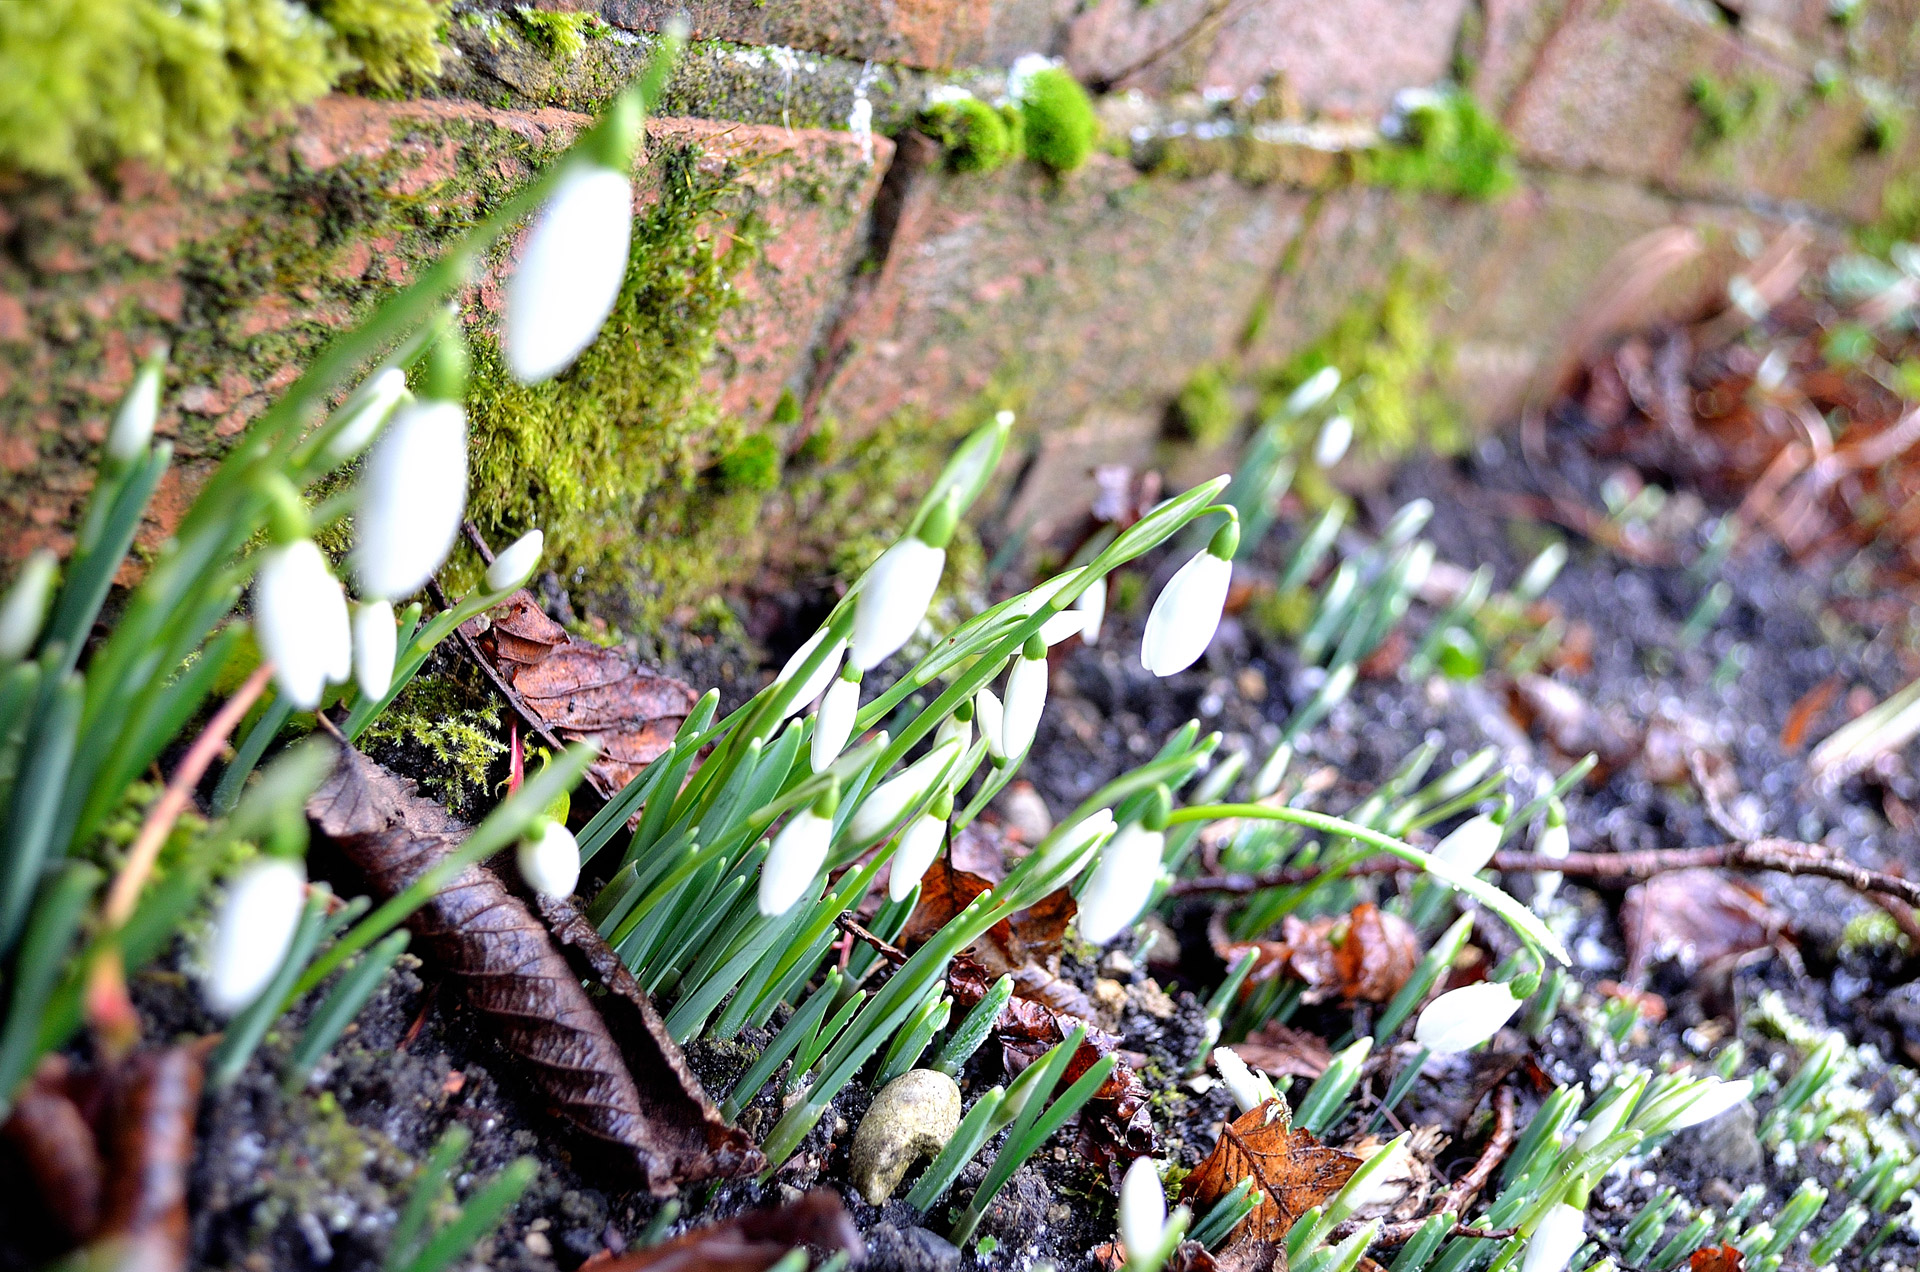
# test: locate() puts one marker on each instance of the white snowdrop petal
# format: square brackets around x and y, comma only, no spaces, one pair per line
[1026,701]
[834,725]
[252,932]
[1062,625]
[366,411]
[1143,1208]
[1464,1018]
[1092,608]
[1713,1100]
[823,675]
[893,600]
[795,858]
[1470,847]
[920,843]
[1561,1233]
[884,805]
[992,717]
[300,620]
[133,424]
[1331,446]
[375,642]
[24,611]
[515,565]
[1241,1083]
[550,861]
[1121,883]
[1186,615]
[570,272]
[412,496]
[955,730]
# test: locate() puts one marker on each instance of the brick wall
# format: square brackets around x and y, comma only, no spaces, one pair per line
[884,284]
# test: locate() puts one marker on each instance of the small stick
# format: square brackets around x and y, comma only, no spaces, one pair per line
[892,953]
[499,683]
[1458,1197]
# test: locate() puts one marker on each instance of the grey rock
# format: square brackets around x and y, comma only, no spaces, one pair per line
[1728,1145]
[891,1249]
[913,1117]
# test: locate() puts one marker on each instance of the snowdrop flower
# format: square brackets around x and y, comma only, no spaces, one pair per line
[1541,572]
[1607,1117]
[1562,1231]
[515,565]
[1335,436]
[1711,1100]
[1092,608]
[1121,883]
[1066,623]
[411,498]
[374,641]
[1026,698]
[1249,1089]
[1553,842]
[834,725]
[1073,843]
[1313,391]
[882,808]
[798,852]
[549,859]
[366,411]
[956,728]
[300,619]
[992,717]
[919,845]
[24,611]
[253,931]
[1143,1209]
[894,597]
[1187,613]
[1469,848]
[1464,1018]
[570,272]
[133,424]
[822,675]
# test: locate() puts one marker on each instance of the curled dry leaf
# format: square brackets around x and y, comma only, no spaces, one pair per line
[1363,956]
[1025,946]
[582,691]
[514,975]
[1280,1051]
[1722,1258]
[1292,1169]
[55,1141]
[1696,917]
[751,1242]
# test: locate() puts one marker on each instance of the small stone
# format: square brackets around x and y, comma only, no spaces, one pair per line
[1027,814]
[1151,999]
[537,1244]
[1727,1145]
[892,1249]
[913,1117]
[1118,964]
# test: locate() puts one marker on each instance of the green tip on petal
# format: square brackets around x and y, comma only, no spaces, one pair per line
[1226,540]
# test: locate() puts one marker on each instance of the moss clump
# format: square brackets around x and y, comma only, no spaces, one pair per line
[84,83]
[1448,145]
[576,454]
[443,735]
[973,134]
[1899,219]
[1058,126]
[752,464]
[1729,109]
[1204,412]
[563,34]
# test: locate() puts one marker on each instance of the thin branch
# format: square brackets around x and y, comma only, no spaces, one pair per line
[892,953]
[1458,1197]
[1785,856]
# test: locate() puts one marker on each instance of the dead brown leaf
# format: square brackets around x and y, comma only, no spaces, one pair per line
[1363,956]
[1725,1258]
[1025,945]
[1292,1169]
[582,691]
[752,1242]
[1695,917]
[1277,1050]
[513,974]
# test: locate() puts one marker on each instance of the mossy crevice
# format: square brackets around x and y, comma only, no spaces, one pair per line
[1447,145]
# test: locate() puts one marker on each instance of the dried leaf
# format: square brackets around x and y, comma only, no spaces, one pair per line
[1807,709]
[751,1242]
[1025,945]
[1724,1259]
[512,973]
[149,1146]
[55,1141]
[582,691]
[1697,917]
[1364,956]
[1292,1169]
[1280,1051]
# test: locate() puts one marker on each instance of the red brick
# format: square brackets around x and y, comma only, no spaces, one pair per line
[922,33]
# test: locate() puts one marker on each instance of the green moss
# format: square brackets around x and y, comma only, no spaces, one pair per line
[1729,109]
[1058,126]
[1205,412]
[442,734]
[1448,146]
[973,134]
[752,464]
[562,33]
[1872,932]
[1899,219]
[84,83]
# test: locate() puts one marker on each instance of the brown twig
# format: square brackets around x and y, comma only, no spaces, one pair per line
[892,953]
[1785,856]
[1461,1195]
[494,678]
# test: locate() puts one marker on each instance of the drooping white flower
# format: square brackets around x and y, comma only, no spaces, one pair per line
[893,599]
[1464,1018]
[570,273]
[133,423]
[1608,1117]
[1711,1101]
[1313,391]
[1073,843]
[1121,883]
[954,729]
[24,611]
[1026,700]
[1186,615]
[1470,847]
[822,676]
[1335,436]
[300,620]
[374,648]
[1143,1209]
[1561,1233]
[1066,623]
[549,859]
[411,498]
[1092,608]
[834,725]
[1554,843]
[515,565]
[798,852]
[252,932]
[1246,1087]
[920,843]
[366,412]
[884,805]
[992,717]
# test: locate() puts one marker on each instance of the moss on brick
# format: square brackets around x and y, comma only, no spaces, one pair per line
[1447,146]
[1205,413]
[973,134]
[1058,126]
[1729,109]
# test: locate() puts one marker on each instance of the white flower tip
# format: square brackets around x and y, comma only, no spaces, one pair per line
[1092,607]
[24,611]
[1121,885]
[1331,446]
[918,847]
[992,717]
[252,932]
[1713,1100]
[139,411]
[569,275]
[366,412]
[1461,1019]
[300,619]
[834,725]
[375,642]
[1247,1090]
[1186,615]
[893,600]
[1559,1236]
[515,565]
[549,860]
[797,854]
[412,495]
[1143,1208]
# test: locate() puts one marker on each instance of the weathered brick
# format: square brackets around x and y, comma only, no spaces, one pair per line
[1347,58]
[1511,35]
[922,33]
